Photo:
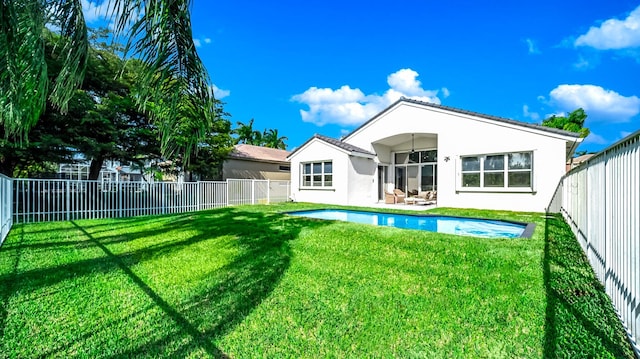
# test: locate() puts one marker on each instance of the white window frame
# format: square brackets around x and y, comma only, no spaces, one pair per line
[323,183]
[506,171]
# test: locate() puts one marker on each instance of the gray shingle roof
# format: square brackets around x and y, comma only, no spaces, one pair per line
[471,113]
[337,143]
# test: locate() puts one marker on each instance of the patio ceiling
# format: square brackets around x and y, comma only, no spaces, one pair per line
[403,138]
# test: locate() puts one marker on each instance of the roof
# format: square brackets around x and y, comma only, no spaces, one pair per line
[582,158]
[257,153]
[471,113]
[354,150]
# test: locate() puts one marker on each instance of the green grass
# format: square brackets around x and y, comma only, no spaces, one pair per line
[248,282]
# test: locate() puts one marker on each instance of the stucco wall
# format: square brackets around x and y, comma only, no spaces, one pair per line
[459,135]
[244,169]
[362,188]
[317,151]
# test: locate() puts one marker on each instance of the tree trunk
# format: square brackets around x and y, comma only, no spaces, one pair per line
[7,166]
[95,167]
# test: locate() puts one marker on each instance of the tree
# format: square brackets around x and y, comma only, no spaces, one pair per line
[101,122]
[207,158]
[172,73]
[574,122]
[246,134]
[268,138]
[271,139]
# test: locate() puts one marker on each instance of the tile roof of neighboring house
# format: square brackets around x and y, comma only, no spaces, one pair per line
[477,114]
[582,158]
[343,145]
[257,153]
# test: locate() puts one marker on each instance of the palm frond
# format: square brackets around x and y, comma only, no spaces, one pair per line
[174,76]
[23,71]
[74,46]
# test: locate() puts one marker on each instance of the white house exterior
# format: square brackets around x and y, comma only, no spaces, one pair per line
[472,160]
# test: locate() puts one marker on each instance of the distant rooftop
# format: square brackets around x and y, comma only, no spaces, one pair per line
[257,153]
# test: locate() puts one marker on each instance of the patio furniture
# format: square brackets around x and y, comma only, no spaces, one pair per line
[400,196]
[395,197]
[414,200]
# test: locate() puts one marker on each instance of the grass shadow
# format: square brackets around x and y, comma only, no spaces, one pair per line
[195,317]
[580,319]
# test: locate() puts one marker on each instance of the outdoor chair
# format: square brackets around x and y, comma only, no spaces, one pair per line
[399,195]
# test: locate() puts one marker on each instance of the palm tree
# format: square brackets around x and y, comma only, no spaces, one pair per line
[245,132]
[271,139]
[174,80]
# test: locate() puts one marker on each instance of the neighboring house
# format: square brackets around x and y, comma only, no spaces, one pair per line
[472,160]
[111,171]
[255,162]
[577,161]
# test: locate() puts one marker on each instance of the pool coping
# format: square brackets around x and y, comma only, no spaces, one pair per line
[526,233]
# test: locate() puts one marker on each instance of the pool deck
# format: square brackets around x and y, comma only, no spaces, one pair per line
[404,206]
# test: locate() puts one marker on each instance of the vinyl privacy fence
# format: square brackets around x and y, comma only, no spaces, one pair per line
[36,200]
[601,202]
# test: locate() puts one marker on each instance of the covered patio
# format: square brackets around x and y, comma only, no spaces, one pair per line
[408,162]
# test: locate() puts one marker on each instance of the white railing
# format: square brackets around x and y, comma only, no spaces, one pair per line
[59,200]
[6,200]
[601,202]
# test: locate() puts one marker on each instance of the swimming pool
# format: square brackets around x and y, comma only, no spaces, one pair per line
[433,223]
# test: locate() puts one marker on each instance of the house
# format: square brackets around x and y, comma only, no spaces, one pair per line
[577,161]
[472,160]
[255,162]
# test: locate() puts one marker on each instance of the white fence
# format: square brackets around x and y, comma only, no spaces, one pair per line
[6,217]
[601,202]
[59,200]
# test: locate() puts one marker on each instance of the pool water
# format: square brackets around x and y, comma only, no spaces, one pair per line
[433,223]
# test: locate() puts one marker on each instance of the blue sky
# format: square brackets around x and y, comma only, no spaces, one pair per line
[326,67]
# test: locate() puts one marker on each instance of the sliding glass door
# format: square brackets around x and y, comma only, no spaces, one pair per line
[417,171]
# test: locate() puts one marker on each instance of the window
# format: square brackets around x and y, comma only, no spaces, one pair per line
[402,158]
[508,170]
[317,174]
[470,172]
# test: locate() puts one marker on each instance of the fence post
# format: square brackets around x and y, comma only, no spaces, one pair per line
[68,200]
[198,204]
[120,199]
[268,191]
[163,187]
[253,191]
[227,196]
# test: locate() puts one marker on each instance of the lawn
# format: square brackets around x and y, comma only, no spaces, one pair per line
[250,282]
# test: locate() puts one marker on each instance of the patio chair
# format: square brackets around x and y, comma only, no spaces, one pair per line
[399,195]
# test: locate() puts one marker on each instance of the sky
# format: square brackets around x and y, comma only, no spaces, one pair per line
[325,67]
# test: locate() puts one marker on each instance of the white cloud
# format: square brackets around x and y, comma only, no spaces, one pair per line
[532,115]
[107,12]
[624,134]
[582,64]
[595,139]
[219,93]
[531,45]
[598,103]
[613,34]
[350,107]
[198,42]
[94,11]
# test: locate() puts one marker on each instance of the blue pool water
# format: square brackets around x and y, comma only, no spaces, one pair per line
[433,223]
